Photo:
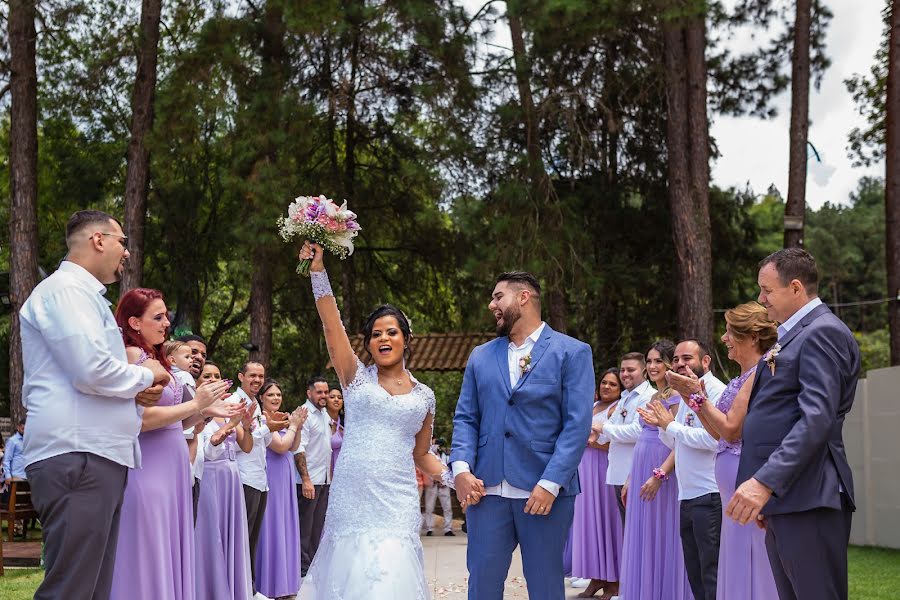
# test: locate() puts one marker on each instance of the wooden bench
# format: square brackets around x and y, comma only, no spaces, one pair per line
[18,508]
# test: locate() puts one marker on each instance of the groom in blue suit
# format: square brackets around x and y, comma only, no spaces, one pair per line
[521,425]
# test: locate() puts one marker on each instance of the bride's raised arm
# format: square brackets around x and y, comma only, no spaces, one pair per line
[339,349]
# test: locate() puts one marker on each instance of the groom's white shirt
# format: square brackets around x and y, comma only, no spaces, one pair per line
[505,489]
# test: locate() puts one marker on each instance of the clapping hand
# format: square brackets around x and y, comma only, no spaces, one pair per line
[209,399]
[685,385]
[657,415]
[298,417]
[276,421]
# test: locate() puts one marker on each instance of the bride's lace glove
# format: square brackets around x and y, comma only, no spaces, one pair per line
[448,479]
[321,286]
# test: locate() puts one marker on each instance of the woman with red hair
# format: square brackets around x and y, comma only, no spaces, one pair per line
[155,554]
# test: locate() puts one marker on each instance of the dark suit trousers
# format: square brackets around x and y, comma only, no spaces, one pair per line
[619,503]
[701,526]
[256,508]
[195,497]
[808,552]
[312,521]
[78,497]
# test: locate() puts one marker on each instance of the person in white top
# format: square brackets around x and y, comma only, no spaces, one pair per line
[438,491]
[623,428]
[83,402]
[313,461]
[252,465]
[695,466]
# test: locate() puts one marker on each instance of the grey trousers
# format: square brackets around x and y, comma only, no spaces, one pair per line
[78,497]
[256,508]
[312,521]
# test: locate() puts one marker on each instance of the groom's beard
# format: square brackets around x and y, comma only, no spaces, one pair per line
[510,316]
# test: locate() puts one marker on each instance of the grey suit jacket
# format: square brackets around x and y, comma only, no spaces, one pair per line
[793,432]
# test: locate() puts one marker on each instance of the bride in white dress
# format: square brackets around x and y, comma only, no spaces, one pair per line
[370,546]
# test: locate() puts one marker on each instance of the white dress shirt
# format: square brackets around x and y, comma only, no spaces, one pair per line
[622,431]
[79,388]
[315,443]
[252,465]
[506,489]
[695,453]
[797,316]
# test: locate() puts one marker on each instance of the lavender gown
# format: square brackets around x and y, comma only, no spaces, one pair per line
[337,438]
[652,559]
[744,569]
[155,552]
[222,544]
[597,526]
[278,553]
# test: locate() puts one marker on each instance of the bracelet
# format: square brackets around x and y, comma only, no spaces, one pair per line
[448,479]
[696,402]
[321,286]
[660,474]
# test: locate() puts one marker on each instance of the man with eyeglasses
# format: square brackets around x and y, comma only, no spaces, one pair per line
[80,394]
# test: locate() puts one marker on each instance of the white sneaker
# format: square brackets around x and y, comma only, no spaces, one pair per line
[580,583]
[260,596]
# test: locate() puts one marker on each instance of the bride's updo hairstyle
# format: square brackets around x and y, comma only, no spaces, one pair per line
[387,310]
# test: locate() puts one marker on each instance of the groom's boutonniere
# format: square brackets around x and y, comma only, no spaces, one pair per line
[770,357]
[525,364]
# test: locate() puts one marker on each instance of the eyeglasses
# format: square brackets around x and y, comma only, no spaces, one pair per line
[123,239]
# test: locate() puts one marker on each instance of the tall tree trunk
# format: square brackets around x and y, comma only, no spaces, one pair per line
[272,86]
[137,177]
[892,182]
[795,207]
[23,154]
[261,309]
[687,144]
[541,185]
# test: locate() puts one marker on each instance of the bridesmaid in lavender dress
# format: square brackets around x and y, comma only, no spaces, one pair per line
[222,544]
[278,553]
[597,527]
[334,407]
[652,559]
[744,569]
[155,553]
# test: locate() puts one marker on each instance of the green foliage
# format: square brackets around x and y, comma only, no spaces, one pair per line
[875,349]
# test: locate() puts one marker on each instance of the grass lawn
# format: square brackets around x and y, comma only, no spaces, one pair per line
[874,575]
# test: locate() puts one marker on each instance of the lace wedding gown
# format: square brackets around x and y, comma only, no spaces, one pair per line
[370,546]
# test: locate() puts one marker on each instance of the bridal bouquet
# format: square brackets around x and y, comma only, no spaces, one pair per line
[318,219]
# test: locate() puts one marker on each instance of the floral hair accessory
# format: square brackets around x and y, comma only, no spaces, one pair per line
[770,357]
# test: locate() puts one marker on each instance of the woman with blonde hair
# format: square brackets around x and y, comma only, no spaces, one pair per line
[744,569]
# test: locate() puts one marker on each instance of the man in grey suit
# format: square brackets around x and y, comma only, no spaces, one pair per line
[793,477]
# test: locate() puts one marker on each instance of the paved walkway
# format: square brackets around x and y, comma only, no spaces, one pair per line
[445,569]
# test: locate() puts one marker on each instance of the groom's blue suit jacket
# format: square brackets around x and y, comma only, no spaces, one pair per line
[793,433]
[536,430]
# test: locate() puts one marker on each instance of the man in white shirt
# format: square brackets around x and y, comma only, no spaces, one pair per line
[80,394]
[695,466]
[623,429]
[313,461]
[252,465]
[438,491]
